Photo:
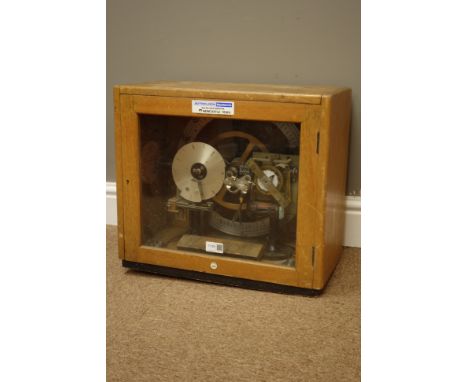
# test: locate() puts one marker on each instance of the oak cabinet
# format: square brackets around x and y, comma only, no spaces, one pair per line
[238,184]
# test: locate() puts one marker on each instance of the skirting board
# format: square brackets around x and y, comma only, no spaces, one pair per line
[352,220]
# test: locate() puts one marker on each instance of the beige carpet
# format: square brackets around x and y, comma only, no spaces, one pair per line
[165,329]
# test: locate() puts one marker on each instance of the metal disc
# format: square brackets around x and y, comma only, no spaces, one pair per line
[242,229]
[198,171]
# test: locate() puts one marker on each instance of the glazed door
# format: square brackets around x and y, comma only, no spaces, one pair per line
[233,194]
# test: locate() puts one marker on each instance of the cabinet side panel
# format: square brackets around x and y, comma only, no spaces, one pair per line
[118,172]
[311,196]
[339,109]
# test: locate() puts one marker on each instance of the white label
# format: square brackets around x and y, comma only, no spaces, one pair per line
[211,246]
[212,107]
[213,265]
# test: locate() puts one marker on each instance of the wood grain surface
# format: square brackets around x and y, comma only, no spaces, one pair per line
[234,91]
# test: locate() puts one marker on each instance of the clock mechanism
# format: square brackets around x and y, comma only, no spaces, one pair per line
[227,182]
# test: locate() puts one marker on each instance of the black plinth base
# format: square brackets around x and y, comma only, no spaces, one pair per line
[219,279]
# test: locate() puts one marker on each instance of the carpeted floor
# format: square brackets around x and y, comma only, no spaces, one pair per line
[165,329]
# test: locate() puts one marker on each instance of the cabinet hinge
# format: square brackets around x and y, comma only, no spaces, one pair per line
[318,143]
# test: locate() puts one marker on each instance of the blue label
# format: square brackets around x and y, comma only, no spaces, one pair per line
[212,107]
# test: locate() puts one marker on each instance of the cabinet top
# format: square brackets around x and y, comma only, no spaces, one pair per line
[234,91]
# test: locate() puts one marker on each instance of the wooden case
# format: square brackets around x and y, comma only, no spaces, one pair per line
[323,114]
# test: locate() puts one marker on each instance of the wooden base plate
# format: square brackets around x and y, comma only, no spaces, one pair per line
[231,247]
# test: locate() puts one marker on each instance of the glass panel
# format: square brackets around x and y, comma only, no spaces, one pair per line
[219,186]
